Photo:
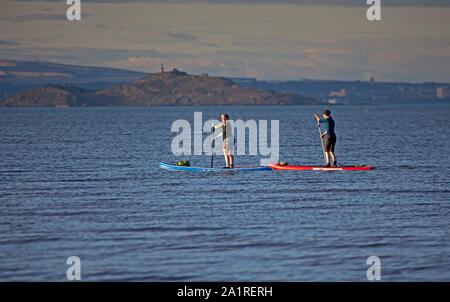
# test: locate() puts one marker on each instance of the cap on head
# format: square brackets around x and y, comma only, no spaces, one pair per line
[327,112]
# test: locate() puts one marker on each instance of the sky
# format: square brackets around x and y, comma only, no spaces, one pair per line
[268,40]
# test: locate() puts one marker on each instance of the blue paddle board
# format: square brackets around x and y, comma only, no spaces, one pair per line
[197,169]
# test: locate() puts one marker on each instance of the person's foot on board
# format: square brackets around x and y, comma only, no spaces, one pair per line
[327,165]
[334,164]
[226,167]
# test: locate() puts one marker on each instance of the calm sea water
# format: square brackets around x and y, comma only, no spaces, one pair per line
[85,182]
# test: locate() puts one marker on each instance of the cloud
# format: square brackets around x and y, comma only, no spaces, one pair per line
[182,37]
[74,55]
[424,3]
[197,43]
[192,64]
[390,59]
[8,43]
[38,17]
[227,63]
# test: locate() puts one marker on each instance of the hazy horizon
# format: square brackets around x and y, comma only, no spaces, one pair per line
[244,39]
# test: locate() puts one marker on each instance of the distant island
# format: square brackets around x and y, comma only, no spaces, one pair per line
[36,83]
[174,88]
[357,92]
[17,76]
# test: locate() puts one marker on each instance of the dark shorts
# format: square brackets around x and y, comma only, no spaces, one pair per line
[330,142]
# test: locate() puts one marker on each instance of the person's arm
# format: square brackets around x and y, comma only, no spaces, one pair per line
[220,125]
[319,119]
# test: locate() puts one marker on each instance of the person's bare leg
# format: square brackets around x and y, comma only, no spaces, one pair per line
[327,158]
[333,157]
[231,160]
[227,163]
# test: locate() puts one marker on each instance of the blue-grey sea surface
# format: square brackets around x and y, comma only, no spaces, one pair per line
[85,182]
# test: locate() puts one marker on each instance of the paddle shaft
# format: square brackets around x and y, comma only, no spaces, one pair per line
[321,141]
[212,146]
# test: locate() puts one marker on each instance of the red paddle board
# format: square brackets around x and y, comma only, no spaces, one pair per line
[318,168]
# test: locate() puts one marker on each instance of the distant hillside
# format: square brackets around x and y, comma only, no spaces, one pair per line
[17,76]
[351,92]
[48,95]
[158,89]
[123,86]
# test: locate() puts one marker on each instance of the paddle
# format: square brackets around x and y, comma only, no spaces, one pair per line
[321,141]
[212,146]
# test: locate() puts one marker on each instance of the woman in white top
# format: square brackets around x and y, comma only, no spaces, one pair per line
[228,141]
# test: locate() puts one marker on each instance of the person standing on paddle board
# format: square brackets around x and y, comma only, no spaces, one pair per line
[228,141]
[330,140]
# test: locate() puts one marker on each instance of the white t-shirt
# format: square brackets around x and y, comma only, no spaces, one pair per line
[229,131]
